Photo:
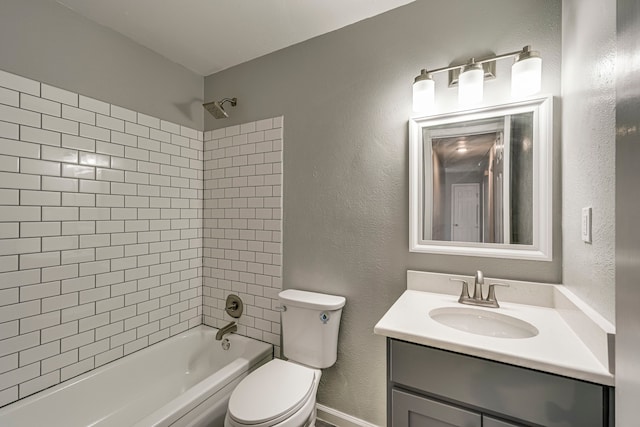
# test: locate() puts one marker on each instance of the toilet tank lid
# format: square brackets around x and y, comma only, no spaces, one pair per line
[312,300]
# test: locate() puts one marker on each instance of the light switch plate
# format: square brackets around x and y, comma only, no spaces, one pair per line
[586,225]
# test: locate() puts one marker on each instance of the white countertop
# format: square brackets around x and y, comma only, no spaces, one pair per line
[556,349]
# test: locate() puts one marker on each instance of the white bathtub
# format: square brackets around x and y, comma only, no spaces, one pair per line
[183,381]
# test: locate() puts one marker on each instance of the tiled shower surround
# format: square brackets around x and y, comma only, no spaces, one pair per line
[243,226]
[101,233]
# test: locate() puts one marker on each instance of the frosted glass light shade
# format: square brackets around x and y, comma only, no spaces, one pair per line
[423,95]
[471,86]
[526,77]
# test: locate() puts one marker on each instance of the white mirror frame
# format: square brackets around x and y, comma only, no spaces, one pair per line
[541,250]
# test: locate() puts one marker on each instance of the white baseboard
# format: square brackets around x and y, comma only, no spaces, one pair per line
[340,419]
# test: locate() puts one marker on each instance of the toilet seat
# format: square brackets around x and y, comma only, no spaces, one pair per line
[271,394]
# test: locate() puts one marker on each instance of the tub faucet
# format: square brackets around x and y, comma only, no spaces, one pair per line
[477,298]
[231,327]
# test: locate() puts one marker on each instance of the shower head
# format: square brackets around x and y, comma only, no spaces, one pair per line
[216,109]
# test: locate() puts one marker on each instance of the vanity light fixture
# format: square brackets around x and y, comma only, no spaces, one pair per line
[526,76]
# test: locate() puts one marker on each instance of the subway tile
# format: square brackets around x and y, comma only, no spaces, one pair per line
[13,279]
[76,171]
[123,113]
[19,343]
[19,83]
[78,143]
[58,332]
[93,349]
[9,395]
[36,354]
[87,186]
[20,181]
[93,132]
[59,95]
[18,311]
[39,136]
[39,383]
[60,154]
[149,121]
[59,302]
[92,159]
[95,267]
[9,97]
[58,125]
[60,213]
[78,313]
[60,184]
[39,229]
[9,130]
[124,139]
[110,149]
[40,105]
[19,148]
[135,129]
[39,198]
[9,197]
[159,135]
[92,240]
[75,199]
[39,291]
[110,175]
[109,356]
[51,274]
[94,105]
[78,115]
[93,322]
[10,163]
[17,376]
[18,246]
[110,123]
[169,127]
[59,243]
[7,263]
[8,363]
[77,256]
[59,361]
[39,167]
[124,164]
[76,369]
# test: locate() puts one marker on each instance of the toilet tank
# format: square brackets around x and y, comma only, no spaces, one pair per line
[310,325]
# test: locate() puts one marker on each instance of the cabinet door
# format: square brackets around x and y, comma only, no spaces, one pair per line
[492,422]
[410,410]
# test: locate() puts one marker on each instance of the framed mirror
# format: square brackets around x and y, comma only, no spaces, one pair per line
[481,182]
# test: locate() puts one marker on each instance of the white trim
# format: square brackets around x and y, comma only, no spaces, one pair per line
[340,419]
[541,250]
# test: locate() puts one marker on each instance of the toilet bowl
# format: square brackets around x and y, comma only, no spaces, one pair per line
[283,393]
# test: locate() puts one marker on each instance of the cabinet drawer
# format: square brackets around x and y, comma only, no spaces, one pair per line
[410,410]
[531,396]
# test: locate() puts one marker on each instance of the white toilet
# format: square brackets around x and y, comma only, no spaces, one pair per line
[283,393]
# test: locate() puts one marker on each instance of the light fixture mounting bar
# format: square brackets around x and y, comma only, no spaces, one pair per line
[488,64]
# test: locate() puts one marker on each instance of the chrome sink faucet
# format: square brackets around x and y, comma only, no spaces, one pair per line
[477,298]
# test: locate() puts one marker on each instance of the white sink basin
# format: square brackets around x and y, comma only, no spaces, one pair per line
[483,322]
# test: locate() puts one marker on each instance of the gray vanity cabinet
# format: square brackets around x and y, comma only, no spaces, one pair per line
[429,387]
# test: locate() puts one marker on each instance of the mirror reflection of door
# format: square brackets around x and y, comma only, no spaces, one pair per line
[465,212]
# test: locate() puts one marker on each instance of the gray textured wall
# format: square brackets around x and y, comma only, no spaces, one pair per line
[346,99]
[47,42]
[627,206]
[588,149]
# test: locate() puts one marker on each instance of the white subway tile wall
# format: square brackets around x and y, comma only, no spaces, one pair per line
[243,226]
[101,221]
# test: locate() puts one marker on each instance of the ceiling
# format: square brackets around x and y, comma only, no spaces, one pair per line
[207,36]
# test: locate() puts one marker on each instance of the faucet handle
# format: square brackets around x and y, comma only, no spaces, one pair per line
[492,292]
[464,293]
